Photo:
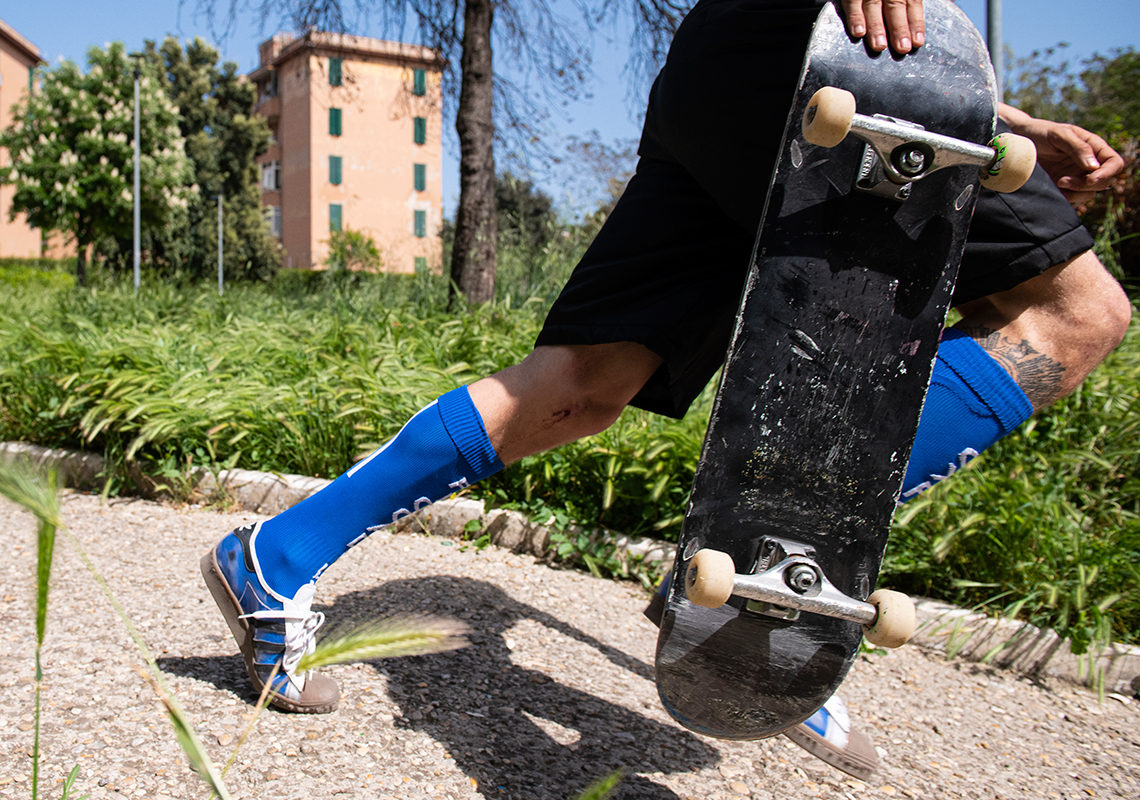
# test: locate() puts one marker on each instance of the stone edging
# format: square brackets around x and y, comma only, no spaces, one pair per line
[1007,644]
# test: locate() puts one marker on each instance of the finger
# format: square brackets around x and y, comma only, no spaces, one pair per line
[1110,162]
[906,24]
[856,22]
[876,29]
[917,18]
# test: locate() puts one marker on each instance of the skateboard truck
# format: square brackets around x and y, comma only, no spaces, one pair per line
[788,581]
[899,152]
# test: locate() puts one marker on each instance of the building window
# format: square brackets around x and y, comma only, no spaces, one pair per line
[335,71]
[273,217]
[420,177]
[334,170]
[334,216]
[421,224]
[334,122]
[271,176]
[419,82]
[420,130]
[421,264]
[269,87]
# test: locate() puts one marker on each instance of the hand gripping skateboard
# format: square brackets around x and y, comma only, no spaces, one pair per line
[852,275]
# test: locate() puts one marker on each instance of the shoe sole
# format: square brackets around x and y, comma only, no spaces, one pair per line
[856,767]
[231,610]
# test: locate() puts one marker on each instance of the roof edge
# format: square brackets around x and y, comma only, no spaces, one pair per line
[352,45]
[27,48]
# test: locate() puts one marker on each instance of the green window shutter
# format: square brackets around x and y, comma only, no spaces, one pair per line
[31,80]
[334,217]
[421,177]
[335,71]
[334,170]
[419,83]
[334,122]
[421,264]
[420,130]
[421,224]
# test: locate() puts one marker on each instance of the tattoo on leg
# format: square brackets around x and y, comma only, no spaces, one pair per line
[1038,375]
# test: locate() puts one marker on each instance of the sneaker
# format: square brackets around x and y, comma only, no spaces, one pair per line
[656,608]
[270,629]
[827,735]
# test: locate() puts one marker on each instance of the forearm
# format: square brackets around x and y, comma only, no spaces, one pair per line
[1015,118]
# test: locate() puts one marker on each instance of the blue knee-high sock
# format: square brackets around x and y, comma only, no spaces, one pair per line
[442,449]
[972,402]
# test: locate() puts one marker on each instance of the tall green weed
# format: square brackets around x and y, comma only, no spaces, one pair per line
[310,372]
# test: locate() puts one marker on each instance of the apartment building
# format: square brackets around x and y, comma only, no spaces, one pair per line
[356,145]
[18,60]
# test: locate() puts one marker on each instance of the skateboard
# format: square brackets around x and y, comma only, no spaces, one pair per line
[839,323]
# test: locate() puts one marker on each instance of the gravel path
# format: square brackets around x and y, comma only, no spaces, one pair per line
[555,691]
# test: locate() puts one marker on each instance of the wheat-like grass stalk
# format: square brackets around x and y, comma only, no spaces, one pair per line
[400,635]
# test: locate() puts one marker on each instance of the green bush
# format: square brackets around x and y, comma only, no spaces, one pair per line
[310,371]
[13,275]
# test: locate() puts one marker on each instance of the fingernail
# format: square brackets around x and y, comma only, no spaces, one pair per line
[904,45]
[919,39]
[880,42]
[858,31]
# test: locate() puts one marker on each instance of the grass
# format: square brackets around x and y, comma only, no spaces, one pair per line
[309,373]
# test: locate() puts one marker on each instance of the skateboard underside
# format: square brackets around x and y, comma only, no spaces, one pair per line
[824,382]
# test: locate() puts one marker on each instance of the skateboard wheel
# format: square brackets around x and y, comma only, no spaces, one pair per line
[709,578]
[827,119]
[1014,159]
[895,622]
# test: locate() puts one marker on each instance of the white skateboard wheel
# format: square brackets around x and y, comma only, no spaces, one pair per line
[1014,159]
[709,578]
[895,622]
[827,119]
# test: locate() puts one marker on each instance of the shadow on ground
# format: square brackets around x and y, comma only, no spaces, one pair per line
[515,731]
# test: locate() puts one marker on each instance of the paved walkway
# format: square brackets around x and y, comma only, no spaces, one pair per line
[555,690]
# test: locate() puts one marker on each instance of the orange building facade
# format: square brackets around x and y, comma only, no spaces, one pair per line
[356,145]
[18,60]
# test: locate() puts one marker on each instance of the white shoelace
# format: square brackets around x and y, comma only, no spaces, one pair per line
[301,626]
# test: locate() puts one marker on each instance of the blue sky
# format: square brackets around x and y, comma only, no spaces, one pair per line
[68,27]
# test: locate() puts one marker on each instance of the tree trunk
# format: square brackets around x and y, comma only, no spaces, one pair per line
[80,263]
[473,255]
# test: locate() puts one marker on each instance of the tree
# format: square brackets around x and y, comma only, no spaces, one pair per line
[223,140]
[351,251]
[535,38]
[525,214]
[1101,97]
[72,156]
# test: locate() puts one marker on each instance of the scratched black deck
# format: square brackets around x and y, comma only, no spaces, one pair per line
[825,378]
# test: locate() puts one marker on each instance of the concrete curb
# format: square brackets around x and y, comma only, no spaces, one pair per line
[1007,644]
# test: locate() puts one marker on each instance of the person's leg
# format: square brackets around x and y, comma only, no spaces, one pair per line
[262,576]
[1013,353]
[559,394]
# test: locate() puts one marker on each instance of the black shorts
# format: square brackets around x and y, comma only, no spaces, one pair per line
[667,268]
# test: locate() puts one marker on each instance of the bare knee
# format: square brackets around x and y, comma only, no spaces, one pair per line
[587,387]
[560,394]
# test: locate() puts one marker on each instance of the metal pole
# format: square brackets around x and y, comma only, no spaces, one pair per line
[137,245]
[219,244]
[993,40]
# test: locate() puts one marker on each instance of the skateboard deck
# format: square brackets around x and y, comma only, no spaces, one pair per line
[824,381]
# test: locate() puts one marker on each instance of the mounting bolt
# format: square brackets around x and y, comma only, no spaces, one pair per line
[913,162]
[801,578]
